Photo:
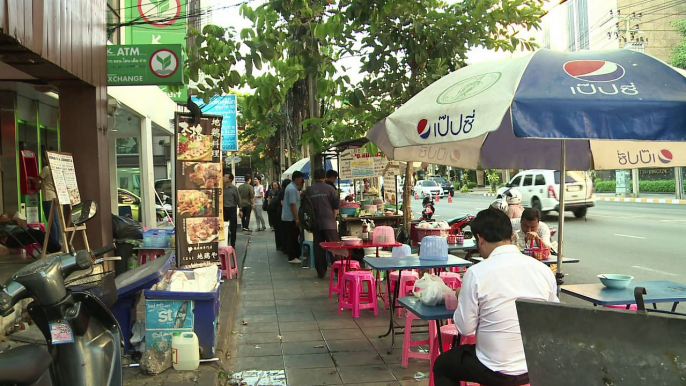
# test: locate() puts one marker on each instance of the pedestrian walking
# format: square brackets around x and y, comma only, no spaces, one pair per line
[280,231]
[259,204]
[289,217]
[274,212]
[232,201]
[247,194]
[325,202]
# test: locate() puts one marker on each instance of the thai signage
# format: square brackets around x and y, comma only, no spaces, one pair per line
[147,64]
[198,189]
[356,164]
[64,178]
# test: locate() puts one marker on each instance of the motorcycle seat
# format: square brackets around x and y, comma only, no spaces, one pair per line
[24,364]
[457,219]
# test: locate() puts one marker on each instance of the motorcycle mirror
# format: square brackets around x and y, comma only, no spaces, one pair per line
[83,212]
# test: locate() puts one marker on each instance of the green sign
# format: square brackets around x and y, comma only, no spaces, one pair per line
[180,96]
[145,64]
[156,21]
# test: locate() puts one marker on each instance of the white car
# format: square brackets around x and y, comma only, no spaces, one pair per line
[346,189]
[541,190]
[428,187]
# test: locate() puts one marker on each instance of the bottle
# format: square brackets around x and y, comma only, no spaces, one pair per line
[365,233]
[185,351]
[181,315]
[132,262]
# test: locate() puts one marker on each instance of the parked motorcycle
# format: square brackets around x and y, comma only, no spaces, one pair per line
[83,337]
[460,225]
[428,208]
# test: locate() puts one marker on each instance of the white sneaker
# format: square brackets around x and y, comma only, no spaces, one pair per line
[295,261]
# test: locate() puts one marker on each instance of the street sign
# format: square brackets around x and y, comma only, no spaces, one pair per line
[146,64]
[156,21]
[225,106]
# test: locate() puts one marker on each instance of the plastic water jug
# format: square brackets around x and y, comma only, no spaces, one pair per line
[185,351]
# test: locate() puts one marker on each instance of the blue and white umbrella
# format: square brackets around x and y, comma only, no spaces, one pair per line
[303,166]
[615,109]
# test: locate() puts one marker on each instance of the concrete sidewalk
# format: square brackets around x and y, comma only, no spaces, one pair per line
[285,323]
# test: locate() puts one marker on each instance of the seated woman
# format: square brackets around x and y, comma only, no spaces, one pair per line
[15,233]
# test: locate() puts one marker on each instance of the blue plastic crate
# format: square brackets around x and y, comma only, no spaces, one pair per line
[157,238]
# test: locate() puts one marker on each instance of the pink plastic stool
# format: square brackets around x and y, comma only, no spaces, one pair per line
[147,255]
[406,284]
[408,342]
[226,255]
[338,268]
[632,307]
[451,279]
[353,294]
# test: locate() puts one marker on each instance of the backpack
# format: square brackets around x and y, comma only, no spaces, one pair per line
[306,213]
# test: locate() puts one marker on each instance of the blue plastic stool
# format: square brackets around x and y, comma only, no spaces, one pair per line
[307,258]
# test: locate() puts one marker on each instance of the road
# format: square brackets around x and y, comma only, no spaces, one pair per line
[646,241]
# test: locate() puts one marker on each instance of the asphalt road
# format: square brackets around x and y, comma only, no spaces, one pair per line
[646,241]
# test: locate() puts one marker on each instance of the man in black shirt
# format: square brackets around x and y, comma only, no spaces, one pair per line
[331,176]
[325,201]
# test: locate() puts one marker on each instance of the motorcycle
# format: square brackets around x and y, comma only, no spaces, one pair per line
[460,225]
[83,337]
[428,208]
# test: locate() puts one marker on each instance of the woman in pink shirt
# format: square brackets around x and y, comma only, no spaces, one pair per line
[514,199]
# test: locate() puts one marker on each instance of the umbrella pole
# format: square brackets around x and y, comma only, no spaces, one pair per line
[561,222]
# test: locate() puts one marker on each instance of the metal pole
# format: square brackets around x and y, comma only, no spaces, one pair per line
[634,182]
[233,164]
[561,224]
[395,179]
[679,178]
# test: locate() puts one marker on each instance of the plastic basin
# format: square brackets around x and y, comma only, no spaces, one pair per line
[615,281]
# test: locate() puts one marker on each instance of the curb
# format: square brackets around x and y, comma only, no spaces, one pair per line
[644,200]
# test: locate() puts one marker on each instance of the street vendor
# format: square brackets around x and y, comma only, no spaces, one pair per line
[486,307]
[530,228]
[15,233]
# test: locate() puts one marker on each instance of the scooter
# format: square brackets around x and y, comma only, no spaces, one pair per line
[428,208]
[460,225]
[83,337]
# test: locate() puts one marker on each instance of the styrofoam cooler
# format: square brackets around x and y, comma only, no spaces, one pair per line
[308,236]
[225,242]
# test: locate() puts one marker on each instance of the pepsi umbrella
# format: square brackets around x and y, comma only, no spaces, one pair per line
[615,109]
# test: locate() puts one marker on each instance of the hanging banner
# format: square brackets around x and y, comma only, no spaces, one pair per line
[198,189]
[356,164]
[225,106]
[64,177]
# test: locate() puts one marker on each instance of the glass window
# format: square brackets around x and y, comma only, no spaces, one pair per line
[428,183]
[128,145]
[528,180]
[539,180]
[516,181]
[570,177]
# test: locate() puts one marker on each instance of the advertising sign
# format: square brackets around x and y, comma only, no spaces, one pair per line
[225,106]
[198,189]
[147,64]
[156,21]
[356,164]
[64,178]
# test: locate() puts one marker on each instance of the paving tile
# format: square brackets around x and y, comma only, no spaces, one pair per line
[257,363]
[306,325]
[330,324]
[271,318]
[262,310]
[256,327]
[389,383]
[349,345]
[301,336]
[367,319]
[259,338]
[345,359]
[343,333]
[258,350]
[310,347]
[282,295]
[295,317]
[418,382]
[307,361]
[313,377]
[258,303]
[357,374]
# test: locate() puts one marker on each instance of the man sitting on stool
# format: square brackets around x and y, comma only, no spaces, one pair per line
[486,306]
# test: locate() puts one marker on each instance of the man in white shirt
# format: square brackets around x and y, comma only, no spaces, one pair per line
[486,306]
[530,227]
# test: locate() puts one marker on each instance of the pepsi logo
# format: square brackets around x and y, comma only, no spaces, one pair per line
[594,70]
[423,129]
[455,155]
[665,156]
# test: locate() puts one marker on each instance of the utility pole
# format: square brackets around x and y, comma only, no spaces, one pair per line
[627,30]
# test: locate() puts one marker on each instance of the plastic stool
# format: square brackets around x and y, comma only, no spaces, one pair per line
[407,280]
[451,279]
[307,254]
[149,254]
[228,269]
[353,294]
[337,269]
[408,342]
[632,307]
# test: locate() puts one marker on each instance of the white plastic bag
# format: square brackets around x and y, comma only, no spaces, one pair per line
[430,289]
[206,278]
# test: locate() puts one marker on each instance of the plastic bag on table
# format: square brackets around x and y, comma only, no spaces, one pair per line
[206,278]
[430,289]
[124,228]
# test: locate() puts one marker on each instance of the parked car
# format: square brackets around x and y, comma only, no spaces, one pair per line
[448,187]
[541,190]
[427,187]
[126,198]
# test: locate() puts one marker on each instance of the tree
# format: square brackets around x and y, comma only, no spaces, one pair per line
[678,58]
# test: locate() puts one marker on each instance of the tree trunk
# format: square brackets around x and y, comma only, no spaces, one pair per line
[407,198]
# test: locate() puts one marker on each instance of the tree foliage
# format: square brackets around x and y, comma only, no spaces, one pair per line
[678,58]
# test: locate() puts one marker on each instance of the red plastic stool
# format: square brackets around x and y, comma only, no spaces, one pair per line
[408,342]
[225,256]
[338,268]
[353,294]
[406,285]
[451,279]
[147,255]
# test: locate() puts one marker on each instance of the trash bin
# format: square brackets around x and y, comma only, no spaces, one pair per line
[124,250]
[169,311]
[128,284]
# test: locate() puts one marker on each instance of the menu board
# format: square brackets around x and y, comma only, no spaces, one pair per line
[356,164]
[198,189]
[64,178]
